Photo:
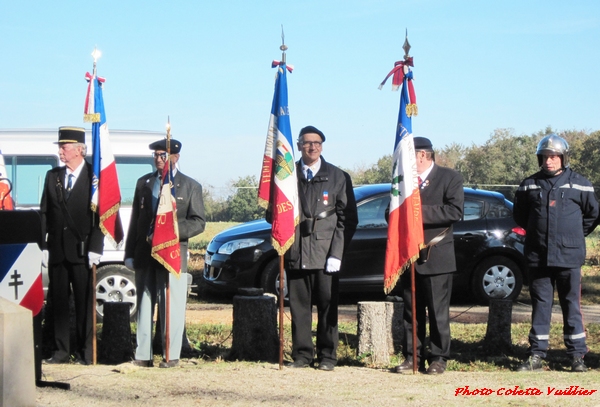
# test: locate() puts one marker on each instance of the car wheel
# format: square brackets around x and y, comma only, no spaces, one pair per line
[497,277]
[115,283]
[270,279]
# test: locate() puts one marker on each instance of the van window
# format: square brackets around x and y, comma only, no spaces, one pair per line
[129,169]
[27,175]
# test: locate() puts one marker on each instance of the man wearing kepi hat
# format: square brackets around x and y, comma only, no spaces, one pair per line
[327,221]
[72,244]
[442,199]
[150,276]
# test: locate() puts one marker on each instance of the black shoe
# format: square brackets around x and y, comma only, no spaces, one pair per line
[298,364]
[532,364]
[55,361]
[578,365]
[436,367]
[142,363]
[171,363]
[326,366]
[82,362]
[405,367]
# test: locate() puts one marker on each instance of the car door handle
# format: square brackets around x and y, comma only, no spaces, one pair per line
[468,237]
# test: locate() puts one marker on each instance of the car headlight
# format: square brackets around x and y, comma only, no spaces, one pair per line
[234,245]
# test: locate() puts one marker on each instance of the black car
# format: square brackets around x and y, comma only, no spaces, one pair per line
[487,241]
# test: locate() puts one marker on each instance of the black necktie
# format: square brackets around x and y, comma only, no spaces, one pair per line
[69,185]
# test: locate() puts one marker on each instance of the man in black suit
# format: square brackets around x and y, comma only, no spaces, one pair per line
[72,244]
[442,199]
[151,278]
[328,221]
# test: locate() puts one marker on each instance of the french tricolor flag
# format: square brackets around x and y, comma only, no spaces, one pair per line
[405,225]
[278,187]
[106,195]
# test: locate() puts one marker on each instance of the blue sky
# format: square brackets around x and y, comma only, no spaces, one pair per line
[479,65]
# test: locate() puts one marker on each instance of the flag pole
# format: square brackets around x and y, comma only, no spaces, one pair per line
[283,48]
[168,293]
[95,55]
[413,295]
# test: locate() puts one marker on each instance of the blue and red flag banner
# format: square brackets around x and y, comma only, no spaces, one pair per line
[405,225]
[165,237]
[21,275]
[278,187]
[106,195]
[6,202]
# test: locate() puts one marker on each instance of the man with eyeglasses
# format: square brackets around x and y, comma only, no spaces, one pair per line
[150,276]
[328,220]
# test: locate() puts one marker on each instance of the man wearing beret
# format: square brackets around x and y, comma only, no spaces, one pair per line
[442,199]
[151,278]
[327,221]
[72,243]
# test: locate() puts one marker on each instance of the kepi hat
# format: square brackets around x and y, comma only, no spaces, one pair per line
[71,135]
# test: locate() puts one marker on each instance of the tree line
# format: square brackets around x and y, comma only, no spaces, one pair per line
[500,164]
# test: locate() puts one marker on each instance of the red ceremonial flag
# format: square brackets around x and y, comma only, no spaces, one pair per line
[165,237]
[405,225]
[278,189]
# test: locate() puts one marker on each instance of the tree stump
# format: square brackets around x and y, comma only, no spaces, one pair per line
[379,330]
[116,344]
[394,315]
[255,335]
[498,334]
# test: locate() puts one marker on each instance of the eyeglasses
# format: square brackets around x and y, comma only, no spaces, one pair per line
[312,144]
[162,156]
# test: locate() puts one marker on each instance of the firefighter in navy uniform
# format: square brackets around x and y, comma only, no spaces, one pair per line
[558,208]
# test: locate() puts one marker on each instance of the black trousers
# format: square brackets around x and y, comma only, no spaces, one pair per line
[306,288]
[433,294]
[63,276]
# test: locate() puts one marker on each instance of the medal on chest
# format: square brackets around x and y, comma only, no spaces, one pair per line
[325,197]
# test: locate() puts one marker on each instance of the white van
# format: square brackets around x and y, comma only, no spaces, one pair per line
[29,154]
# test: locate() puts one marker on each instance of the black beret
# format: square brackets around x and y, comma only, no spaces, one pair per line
[71,135]
[162,145]
[422,143]
[311,129]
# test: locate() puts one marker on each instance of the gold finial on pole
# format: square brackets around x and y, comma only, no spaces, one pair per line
[168,136]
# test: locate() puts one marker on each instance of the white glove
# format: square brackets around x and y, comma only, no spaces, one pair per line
[333,265]
[45,256]
[129,263]
[93,258]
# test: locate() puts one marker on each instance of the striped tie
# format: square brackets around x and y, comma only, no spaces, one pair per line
[69,185]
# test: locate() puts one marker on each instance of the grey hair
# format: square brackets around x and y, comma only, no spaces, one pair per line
[83,148]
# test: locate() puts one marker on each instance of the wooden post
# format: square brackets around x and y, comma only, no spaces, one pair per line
[379,330]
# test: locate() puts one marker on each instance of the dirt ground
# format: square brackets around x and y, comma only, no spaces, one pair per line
[217,383]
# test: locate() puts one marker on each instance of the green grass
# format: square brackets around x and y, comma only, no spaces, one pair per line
[469,351]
